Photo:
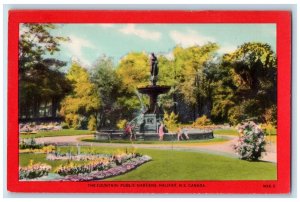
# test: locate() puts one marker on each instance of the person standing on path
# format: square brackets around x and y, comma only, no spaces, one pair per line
[161,131]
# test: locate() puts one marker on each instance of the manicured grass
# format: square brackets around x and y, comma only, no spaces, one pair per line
[231,131]
[180,165]
[234,132]
[64,132]
[190,142]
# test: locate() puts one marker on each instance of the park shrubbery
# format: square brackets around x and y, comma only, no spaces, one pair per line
[202,122]
[171,121]
[251,143]
[121,123]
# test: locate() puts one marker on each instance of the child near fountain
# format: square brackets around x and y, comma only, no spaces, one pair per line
[161,131]
[180,132]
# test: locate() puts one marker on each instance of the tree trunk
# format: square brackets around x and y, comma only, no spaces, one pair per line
[54,107]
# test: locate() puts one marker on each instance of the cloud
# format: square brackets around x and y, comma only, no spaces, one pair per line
[76,45]
[131,29]
[227,48]
[189,38]
[169,55]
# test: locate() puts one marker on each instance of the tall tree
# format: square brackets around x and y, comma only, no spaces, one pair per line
[191,64]
[167,76]
[80,107]
[40,78]
[108,85]
[253,72]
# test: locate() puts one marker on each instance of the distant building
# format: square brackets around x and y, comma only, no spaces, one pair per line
[45,111]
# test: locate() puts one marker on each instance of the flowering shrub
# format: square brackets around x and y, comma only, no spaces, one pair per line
[34,170]
[251,143]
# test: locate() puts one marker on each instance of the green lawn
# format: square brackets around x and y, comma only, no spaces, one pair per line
[207,141]
[226,132]
[234,132]
[64,132]
[181,165]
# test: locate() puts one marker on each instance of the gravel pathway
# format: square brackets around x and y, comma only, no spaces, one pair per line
[221,148]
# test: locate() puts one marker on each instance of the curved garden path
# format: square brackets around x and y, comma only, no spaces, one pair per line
[220,148]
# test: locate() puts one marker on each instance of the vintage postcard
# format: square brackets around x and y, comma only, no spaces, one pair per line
[149,101]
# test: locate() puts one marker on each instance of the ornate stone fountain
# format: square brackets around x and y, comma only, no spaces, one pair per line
[146,124]
[148,121]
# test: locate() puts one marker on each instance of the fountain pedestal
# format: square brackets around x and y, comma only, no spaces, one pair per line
[153,92]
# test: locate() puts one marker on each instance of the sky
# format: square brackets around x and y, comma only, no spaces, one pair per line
[90,41]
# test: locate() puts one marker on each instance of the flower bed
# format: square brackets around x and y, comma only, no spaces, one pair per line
[83,167]
[97,164]
[110,172]
[72,169]
[44,149]
[33,127]
[81,157]
[29,144]
[34,171]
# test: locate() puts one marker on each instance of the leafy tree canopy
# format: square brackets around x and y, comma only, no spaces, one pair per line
[82,104]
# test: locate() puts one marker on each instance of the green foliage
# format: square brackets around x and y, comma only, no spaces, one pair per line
[40,78]
[236,115]
[109,88]
[83,102]
[64,125]
[134,72]
[121,123]
[171,121]
[202,121]
[247,86]
[92,123]
[270,115]
[269,128]
[167,72]
[192,61]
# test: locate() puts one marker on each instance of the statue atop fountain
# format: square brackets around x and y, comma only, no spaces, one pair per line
[154,69]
